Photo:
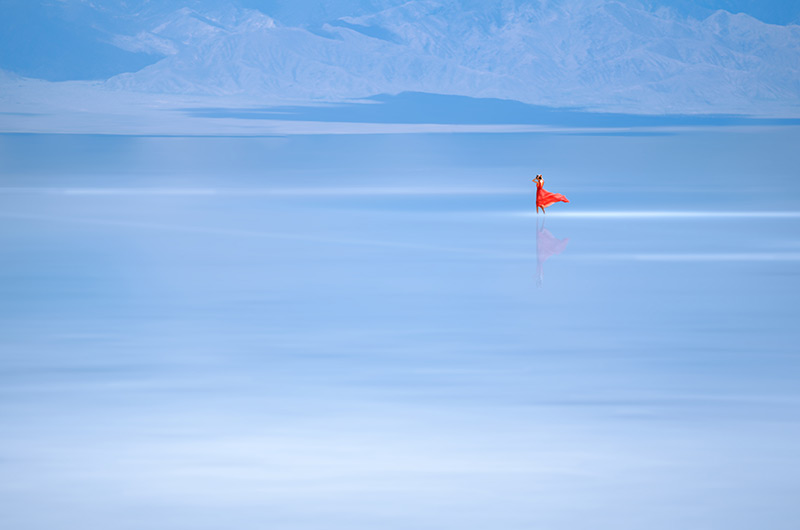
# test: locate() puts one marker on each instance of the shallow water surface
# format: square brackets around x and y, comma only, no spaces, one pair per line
[289,351]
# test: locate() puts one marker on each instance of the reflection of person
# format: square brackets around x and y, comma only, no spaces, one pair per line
[543,197]
[546,245]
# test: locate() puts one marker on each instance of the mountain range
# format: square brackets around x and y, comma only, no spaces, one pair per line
[595,54]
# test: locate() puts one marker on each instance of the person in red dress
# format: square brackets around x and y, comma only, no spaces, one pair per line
[543,197]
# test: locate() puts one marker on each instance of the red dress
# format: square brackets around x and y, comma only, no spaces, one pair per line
[544,198]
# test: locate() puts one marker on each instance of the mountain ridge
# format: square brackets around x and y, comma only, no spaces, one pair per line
[595,54]
[585,53]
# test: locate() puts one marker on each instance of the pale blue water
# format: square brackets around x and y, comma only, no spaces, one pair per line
[351,332]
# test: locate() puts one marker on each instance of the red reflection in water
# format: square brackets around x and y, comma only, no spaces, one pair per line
[546,245]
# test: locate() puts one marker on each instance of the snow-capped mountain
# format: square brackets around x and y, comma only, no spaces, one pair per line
[620,54]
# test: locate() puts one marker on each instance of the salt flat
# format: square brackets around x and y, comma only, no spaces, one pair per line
[361,331]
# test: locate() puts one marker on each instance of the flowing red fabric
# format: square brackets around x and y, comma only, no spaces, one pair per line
[544,198]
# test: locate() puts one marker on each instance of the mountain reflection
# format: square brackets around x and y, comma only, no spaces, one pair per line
[546,245]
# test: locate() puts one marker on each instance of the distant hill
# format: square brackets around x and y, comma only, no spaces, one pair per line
[597,54]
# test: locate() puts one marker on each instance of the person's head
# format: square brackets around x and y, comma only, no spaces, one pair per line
[538,177]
